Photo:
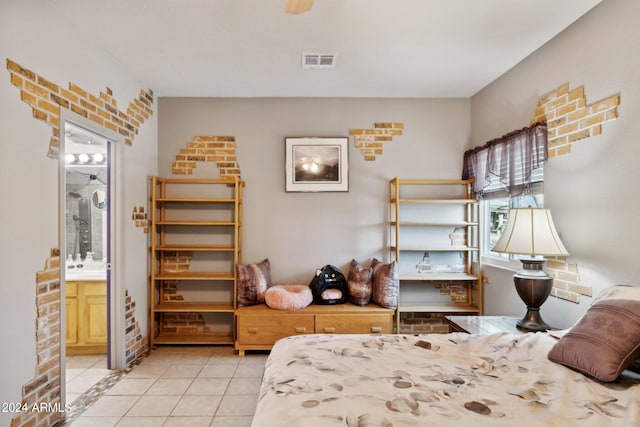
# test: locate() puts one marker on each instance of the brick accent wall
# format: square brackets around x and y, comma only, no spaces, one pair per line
[570,119]
[566,280]
[424,323]
[44,388]
[219,149]
[47,98]
[179,322]
[136,344]
[370,141]
[140,218]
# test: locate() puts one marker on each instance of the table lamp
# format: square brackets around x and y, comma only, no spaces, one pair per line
[530,232]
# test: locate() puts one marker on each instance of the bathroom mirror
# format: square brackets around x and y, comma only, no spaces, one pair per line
[86,185]
[99,199]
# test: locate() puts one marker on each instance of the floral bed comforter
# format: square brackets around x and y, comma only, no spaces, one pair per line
[435,380]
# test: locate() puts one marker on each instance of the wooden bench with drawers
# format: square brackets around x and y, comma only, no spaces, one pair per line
[258,327]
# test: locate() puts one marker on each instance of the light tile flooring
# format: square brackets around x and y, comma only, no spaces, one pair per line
[82,372]
[180,386]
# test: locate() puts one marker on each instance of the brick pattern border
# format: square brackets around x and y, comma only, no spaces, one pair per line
[566,280]
[44,388]
[136,344]
[41,396]
[182,323]
[203,148]
[569,118]
[423,323]
[47,98]
[427,323]
[370,141]
[140,218]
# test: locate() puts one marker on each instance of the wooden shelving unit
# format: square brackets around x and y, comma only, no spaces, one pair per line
[196,240]
[423,215]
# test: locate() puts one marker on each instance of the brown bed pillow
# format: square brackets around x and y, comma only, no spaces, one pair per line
[385,284]
[360,283]
[604,342]
[253,281]
[621,292]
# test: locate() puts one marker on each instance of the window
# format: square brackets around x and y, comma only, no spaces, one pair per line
[495,214]
[508,173]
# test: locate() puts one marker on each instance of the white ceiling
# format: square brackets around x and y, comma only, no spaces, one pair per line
[385,48]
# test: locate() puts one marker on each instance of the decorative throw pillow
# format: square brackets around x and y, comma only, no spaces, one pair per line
[621,292]
[604,342]
[253,280]
[360,283]
[385,284]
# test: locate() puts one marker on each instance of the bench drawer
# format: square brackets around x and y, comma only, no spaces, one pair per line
[267,329]
[354,324]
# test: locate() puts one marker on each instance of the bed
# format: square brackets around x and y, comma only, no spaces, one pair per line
[451,379]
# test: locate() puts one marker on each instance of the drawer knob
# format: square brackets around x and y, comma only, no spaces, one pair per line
[300,329]
[252,330]
[329,330]
[376,329]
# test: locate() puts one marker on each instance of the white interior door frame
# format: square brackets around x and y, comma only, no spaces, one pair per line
[116,314]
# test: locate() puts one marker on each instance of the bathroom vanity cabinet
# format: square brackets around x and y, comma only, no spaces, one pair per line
[86,317]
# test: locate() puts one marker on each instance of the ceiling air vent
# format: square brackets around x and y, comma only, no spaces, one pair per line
[318,60]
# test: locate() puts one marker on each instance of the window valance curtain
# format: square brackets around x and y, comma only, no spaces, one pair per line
[510,164]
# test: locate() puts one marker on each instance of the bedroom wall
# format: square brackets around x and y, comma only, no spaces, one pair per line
[300,232]
[36,38]
[590,190]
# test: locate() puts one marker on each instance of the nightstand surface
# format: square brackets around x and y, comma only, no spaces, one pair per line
[483,325]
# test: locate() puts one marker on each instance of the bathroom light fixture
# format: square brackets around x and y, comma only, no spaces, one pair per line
[85,159]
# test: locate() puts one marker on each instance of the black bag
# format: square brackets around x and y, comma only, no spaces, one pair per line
[329,286]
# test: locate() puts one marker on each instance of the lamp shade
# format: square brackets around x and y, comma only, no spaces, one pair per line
[530,231]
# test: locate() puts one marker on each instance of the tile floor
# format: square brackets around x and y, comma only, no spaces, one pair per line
[179,386]
[83,371]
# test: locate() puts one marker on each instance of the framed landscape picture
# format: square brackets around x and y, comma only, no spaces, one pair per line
[316,164]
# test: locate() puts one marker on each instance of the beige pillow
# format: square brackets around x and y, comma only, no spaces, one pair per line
[360,283]
[619,292]
[253,281]
[385,284]
[604,342]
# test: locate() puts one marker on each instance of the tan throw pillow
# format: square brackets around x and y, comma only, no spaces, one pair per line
[253,281]
[385,284]
[360,284]
[604,342]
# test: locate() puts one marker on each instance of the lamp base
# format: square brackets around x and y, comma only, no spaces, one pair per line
[534,287]
[532,322]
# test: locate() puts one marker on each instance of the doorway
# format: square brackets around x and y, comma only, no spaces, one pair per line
[86,220]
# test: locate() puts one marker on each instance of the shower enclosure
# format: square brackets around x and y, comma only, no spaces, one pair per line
[82,226]
[86,216]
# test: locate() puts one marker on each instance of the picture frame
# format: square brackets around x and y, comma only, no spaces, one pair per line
[315,164]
